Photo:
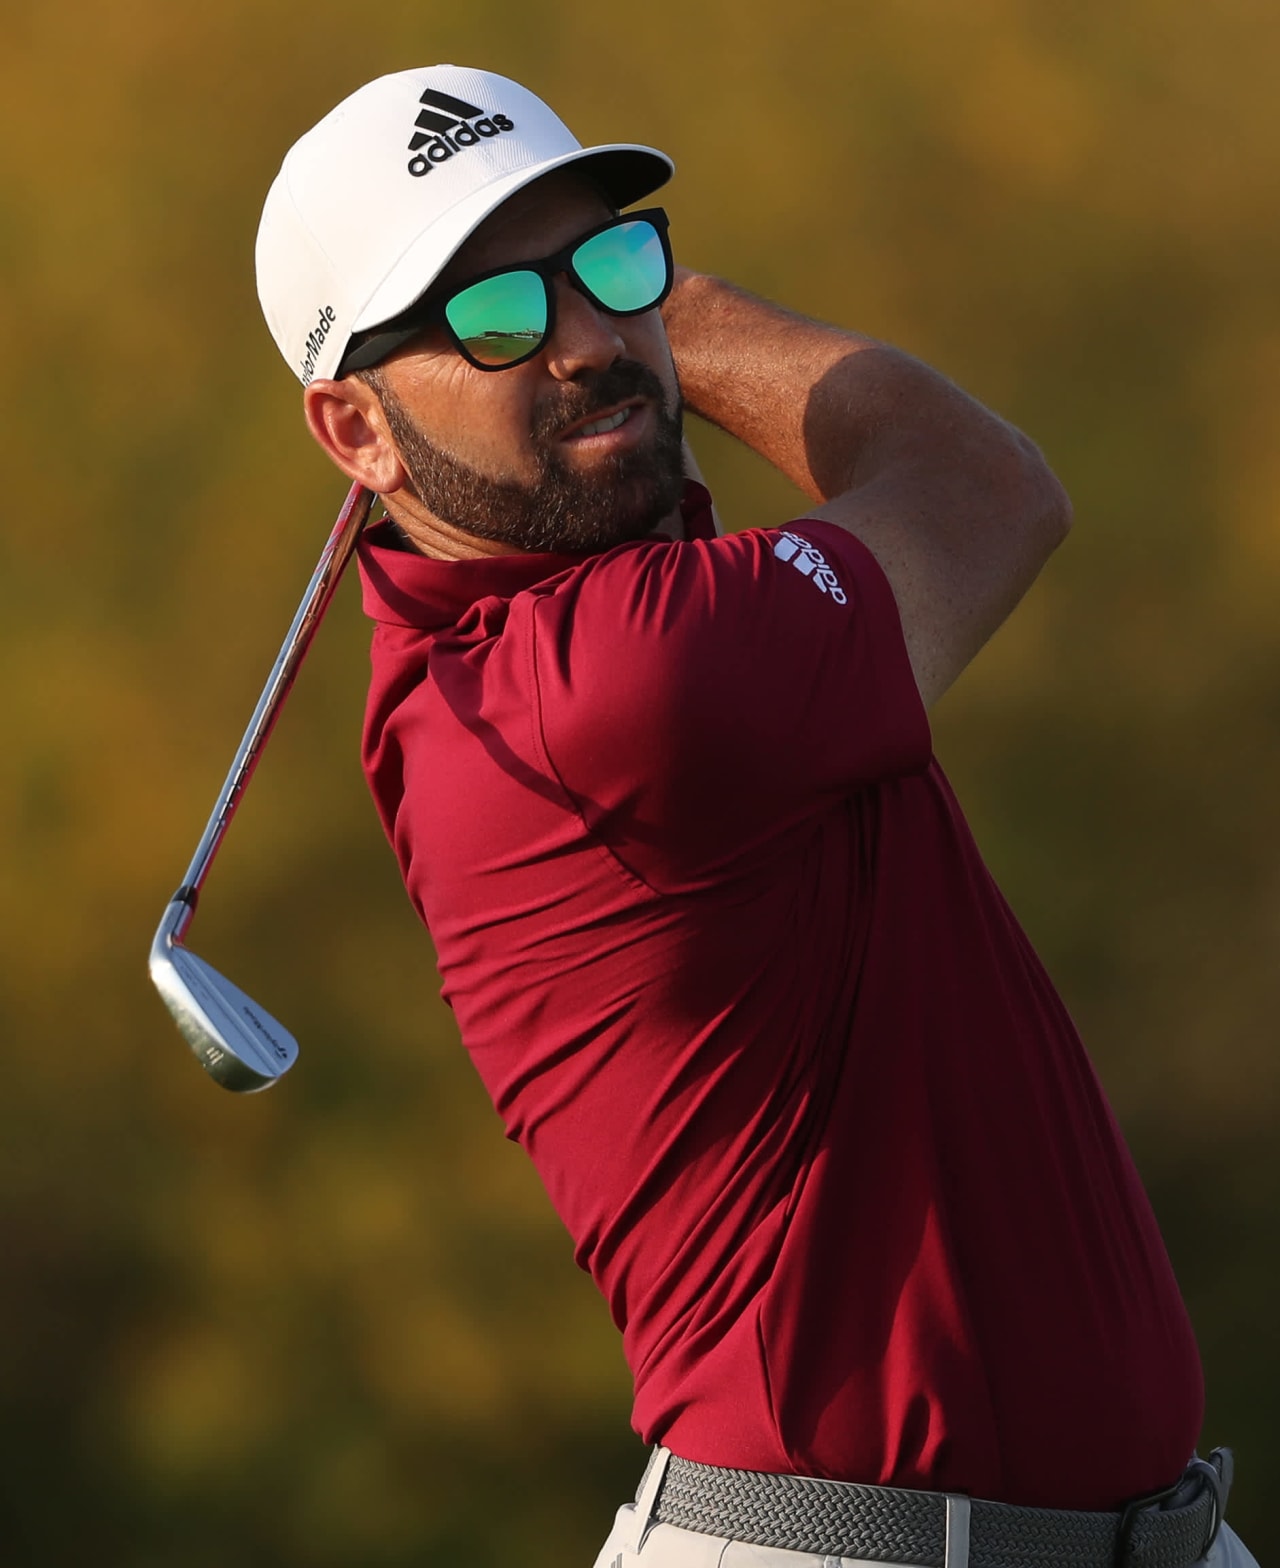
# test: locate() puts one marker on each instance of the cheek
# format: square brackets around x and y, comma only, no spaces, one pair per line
[489,427]
[481,418]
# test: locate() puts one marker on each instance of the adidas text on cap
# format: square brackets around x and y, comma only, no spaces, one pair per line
[372,202]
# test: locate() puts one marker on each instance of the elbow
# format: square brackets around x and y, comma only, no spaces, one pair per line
[1046,506]
[1058,512]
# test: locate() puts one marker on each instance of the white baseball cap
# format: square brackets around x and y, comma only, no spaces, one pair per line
[371,203]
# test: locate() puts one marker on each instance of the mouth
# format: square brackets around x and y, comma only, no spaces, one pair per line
[601,424]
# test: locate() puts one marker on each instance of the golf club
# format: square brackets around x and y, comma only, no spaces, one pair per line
[238,1044]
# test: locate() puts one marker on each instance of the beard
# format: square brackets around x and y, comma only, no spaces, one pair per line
[561,510]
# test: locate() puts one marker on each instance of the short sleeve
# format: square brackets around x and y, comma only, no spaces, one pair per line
[696,700]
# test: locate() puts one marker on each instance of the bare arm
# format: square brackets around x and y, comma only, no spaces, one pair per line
[960,509]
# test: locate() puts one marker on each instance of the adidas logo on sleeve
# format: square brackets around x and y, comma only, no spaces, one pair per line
[810,562]
[443,129]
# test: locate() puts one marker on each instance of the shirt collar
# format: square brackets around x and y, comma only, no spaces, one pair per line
[403,588]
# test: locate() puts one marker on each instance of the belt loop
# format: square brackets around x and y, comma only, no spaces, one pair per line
[647,1496]
[957,1532]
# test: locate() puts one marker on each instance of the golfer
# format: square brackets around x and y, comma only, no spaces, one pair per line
[715,933]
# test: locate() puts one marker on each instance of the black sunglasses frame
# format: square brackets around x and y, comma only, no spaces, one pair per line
[372,346]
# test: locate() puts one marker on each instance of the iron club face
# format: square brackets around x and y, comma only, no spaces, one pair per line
[239,1044]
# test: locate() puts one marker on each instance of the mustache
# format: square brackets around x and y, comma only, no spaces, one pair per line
[594,389]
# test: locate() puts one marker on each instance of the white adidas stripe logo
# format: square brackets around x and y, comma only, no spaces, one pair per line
[810,562]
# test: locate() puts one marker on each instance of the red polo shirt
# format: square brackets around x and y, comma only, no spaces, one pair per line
[724,953]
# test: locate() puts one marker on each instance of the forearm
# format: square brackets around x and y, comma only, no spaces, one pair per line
[959,507]
[828,407]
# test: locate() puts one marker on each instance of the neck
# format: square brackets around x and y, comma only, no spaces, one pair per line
[429,535]
[423,531]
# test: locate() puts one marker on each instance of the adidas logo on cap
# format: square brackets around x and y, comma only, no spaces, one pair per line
[452,132]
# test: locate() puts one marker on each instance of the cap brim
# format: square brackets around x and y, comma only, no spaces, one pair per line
[623,171]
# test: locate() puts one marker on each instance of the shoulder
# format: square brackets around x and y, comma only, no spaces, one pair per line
[670,595]
[715,638]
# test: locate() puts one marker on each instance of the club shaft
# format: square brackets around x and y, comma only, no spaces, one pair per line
[315,601]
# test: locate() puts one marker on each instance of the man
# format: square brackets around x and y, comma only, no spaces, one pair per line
[716,936]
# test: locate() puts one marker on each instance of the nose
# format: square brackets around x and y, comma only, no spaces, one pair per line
[585,338]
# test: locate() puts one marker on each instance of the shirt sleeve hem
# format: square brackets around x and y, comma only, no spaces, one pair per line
[899,681]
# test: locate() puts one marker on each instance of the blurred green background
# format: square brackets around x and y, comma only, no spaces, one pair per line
[337,1324]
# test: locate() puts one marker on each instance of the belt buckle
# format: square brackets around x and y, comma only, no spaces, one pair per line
[1129,1514]
[1217,1483]
[1210,1474]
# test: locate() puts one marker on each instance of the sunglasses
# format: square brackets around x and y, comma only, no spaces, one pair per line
[504,317]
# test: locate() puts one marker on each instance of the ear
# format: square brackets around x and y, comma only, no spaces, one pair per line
[347,421]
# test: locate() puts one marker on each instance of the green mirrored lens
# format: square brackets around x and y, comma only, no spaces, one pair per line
[625,267]
[500,319]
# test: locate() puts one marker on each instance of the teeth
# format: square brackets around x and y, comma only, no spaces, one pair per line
[599,426]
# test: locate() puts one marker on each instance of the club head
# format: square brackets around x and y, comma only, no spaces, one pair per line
[239,1045]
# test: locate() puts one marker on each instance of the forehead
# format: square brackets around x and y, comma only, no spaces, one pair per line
[536,221]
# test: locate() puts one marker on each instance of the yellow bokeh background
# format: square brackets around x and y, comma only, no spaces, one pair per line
[337,1324]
